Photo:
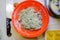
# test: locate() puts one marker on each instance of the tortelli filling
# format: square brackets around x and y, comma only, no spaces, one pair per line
[30,19]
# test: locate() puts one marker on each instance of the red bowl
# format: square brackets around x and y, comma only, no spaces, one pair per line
[38,7]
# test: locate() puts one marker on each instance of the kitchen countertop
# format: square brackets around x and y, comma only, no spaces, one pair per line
[54,24]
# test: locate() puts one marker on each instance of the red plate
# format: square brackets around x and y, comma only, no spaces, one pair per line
[38,7]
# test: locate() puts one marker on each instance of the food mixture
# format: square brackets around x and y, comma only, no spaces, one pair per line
[30,19]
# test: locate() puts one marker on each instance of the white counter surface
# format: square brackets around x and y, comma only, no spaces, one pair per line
[54,24]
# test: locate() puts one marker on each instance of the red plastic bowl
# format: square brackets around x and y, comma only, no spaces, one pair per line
[38,7]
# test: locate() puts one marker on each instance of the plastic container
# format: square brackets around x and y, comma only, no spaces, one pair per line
[53,35]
